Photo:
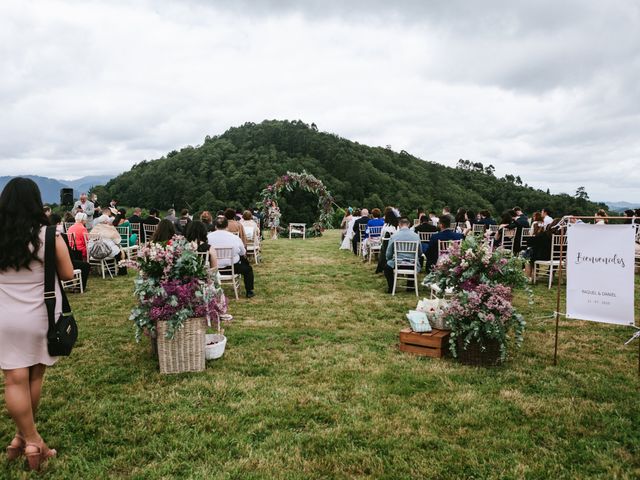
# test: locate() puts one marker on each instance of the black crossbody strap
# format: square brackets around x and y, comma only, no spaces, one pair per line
[49,275]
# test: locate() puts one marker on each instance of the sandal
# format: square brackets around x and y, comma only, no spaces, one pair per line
[37,454]
[15,448]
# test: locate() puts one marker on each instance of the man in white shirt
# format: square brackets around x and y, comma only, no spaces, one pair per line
[221,238]
[547,219]
[85,206]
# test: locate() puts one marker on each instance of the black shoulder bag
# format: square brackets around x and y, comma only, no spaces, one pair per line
[62,335]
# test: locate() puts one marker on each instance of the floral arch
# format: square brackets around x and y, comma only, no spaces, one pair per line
[306,181]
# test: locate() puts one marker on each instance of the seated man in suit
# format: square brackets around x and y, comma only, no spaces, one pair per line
[431,249]
[404,234]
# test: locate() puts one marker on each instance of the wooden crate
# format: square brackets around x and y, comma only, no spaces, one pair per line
[430,344]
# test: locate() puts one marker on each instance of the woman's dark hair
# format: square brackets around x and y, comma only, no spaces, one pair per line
[230,214]
[196,232]
[460,215]
[21,216]
[117,219]
[471,216]
[165,232]
[390,217]
[55,219]
[507,218]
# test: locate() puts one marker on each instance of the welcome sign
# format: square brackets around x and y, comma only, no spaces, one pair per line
[600,273]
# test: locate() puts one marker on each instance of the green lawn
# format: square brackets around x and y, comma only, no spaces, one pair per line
[312,385]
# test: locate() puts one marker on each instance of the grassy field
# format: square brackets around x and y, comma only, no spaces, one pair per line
[312,385]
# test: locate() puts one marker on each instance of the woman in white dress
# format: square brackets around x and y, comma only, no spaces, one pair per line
[348,236]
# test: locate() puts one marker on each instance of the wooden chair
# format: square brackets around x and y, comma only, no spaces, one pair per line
[374,241]
[405,258]
[125,234]
[444,245]
[228,275]
[478,229]
[106,265]
[527,233]
[507,239]
[298,229]
[253,247]
[135,228]
[362,228]
[558,243]
[75,284]
[149,230]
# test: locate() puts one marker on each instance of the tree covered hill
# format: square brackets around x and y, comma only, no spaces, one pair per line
[231,169]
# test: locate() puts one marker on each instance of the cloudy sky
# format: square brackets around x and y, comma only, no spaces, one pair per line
[548,90]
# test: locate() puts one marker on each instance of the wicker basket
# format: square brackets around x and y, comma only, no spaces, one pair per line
[474,355]
[185,351]
[436,319]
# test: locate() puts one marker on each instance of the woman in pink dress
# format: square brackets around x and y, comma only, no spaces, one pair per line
[23,316]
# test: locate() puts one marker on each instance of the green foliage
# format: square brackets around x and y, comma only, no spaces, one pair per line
[230,170]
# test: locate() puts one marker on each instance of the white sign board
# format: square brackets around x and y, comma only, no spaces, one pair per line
[600,277]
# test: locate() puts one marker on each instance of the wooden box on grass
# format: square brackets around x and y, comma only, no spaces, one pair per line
[429,344]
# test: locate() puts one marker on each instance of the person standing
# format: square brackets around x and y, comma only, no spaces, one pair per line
[85,206]
[23,318]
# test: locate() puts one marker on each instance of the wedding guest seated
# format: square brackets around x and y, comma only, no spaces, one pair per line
[171,215]
[404,234]
[374,222]
[520,217]
[106,216]
[363,220]
[485,218]
[197,232]
[425,225]
[207,219]
[537,224]
[165,231]
[120,220]
[432,249]
[111,237]
[137,216]
[547,217]
[389,228]
[234,226]
[463,225]
[69,217]
[76,234]
[222,238]
[249,225]
[447,211]
[182,222]
[539,247]
[433,218]
[601,217]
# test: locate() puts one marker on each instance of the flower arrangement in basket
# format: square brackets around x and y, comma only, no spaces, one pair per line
[480,313]
[175,292]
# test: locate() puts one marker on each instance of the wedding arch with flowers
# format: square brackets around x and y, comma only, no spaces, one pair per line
[291,180]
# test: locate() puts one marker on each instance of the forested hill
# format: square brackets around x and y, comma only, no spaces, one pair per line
[232,169]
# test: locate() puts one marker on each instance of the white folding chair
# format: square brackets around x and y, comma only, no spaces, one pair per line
[374,241]
[228,274]
[361,228]
[149,230]
[425,237]
[204,258]
[106,265]
[558,243]
[253,247]
[135,228]
[405,258]
[444,245]
[493,229]
[298,229]
[125,233]
[507,239]
[478,229]
[75,283]
[527,233]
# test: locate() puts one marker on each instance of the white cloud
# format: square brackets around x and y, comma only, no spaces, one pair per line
[544,90]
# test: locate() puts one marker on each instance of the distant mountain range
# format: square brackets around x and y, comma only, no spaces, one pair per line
[622,206]
[50,187]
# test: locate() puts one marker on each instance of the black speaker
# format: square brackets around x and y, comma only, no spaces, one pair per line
[66,196]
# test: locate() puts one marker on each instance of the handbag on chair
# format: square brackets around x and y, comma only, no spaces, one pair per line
[63,333]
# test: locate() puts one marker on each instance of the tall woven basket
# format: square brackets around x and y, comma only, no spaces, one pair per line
[474,355]
[185,351]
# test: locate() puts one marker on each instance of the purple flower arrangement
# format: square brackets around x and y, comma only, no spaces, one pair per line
[481,308]
[174,285]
